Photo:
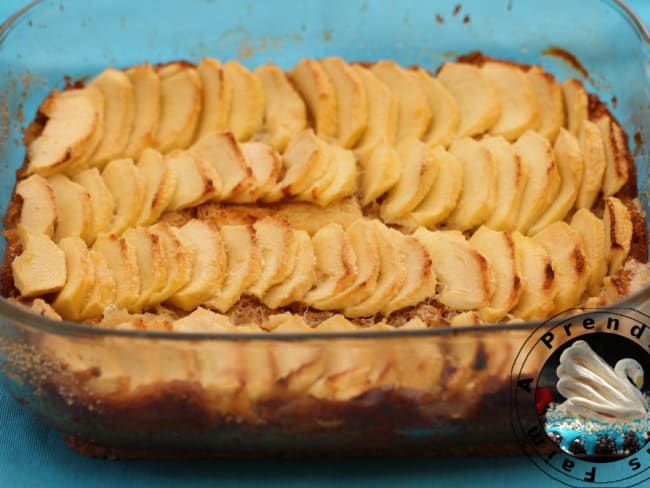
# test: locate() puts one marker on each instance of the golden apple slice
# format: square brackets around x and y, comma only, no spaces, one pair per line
[102,203]
[119,113]
[564,246]
[41,267]
[595,161]
[336,323]
[151,263]
[499,249]
[122,260]
[380,172]
[314,85]
[265,164]
[336,264]
[277,245]
[511,180]
[146,96]
[285,114]
[443,106]
[570,164]
[243,266]
[320,166]
[224,153]
[311,218]
[617,155]
[160,185]
[179,257]
[443,197]
[38,212]
[466,318]
[419,170]
[543,183]
[618,233]
[181,96]
[538,286]
[351,100]
[203,320]
[464,274]
[519,110]
[197,181]
[72,298]
[247,104]
[477,197]
[102,292]
[576,103]
[74,213]
[414,112]
[550,103]
[217,97]
[383,112]
[210,265]
[344,182]
[302,278]
[73,121]
[592,232]
[420,281]
[392,274]
[477,99]
[127,186]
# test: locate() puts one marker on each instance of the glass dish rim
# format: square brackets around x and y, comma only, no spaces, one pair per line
[22,315]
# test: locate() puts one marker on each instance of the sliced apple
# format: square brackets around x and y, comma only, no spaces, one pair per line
[247,104]
[302,278]
[538,287]
[152,264]
[41,267]
[224,153]
[576,103]
[210,265]
[414,112]
[102,203]
[146,96]
[543,183]
[466,318]
[310,217]
[564,246]
[127,186]
[265,164]
[380,172]
[38,212]
[419,170]
[243,266]
[336,323]
[73,122]
[477,99]
[464,274]
[618,233]
[74,213]
[511,180]
[477,197]
[70,301]
[203,320]
[617,155]
[102,292]
[595,160]
[383,112]
[392,274]
[179,257]
[317,90]
[592,232]
[568,158]
[550,103]
[519,110]
[197,181]
[351,100]
[499,249]
[285,114]
[122,260]
[160,185]
[344,183]
[217,97]
[181,96]
[443,197]
[319,168]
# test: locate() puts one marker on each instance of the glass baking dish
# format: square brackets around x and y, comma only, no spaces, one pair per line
[444,390]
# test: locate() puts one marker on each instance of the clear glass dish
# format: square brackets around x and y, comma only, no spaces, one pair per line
[446,390]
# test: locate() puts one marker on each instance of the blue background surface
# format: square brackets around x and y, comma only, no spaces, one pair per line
[31,454]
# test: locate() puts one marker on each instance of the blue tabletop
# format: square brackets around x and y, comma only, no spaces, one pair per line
[31,454]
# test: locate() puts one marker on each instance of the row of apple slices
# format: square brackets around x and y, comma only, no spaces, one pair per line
[525,185]
[217,167]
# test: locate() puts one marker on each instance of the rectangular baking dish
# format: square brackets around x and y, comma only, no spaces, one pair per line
[147,393]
